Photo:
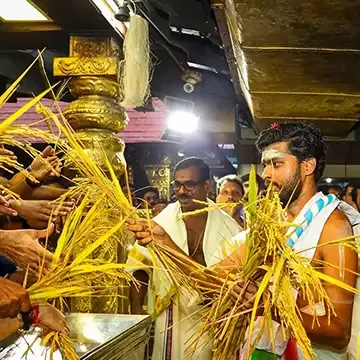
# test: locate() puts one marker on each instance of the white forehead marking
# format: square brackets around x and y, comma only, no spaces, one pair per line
[271,154]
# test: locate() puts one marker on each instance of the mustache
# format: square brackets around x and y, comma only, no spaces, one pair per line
[181,197]
[268,183]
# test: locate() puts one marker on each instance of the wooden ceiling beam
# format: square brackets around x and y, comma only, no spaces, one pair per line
[16,27]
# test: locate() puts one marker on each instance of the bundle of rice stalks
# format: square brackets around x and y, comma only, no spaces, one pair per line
[74,272]
[275,269]
[90,177]
[21,136]
[98,221]
[101,213]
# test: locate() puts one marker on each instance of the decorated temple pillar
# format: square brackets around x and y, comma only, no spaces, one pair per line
[159,175]
[93,66]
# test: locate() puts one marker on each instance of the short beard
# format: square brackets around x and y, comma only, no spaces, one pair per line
[291,190]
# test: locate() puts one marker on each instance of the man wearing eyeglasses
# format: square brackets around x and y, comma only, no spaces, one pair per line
[199,236]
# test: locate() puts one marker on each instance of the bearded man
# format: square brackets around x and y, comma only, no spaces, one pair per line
[293,157]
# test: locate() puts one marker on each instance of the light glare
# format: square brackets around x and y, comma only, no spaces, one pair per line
[183,122]
[20,10]
[328,180]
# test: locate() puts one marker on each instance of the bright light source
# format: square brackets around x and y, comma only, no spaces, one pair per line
[328,180]
[183,122]
[20,10]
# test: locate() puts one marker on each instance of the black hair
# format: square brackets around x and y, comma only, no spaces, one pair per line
[305,141]
[324,189]
[150,189]
[226,178]
[259,179]
[350,184]
[354,193]
[194,162]
[335,186]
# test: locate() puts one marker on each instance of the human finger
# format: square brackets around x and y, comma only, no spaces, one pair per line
[43,216]
[45,255]
[130,221]
[6,211]
[142,234]
[25,304]
[4,310]
[49,160]
[42,234]
[252,289]
[145,241]
[4,200]
[48,151]
[6,152]
[47,209]
[234,296]
[136,228]
[14,308]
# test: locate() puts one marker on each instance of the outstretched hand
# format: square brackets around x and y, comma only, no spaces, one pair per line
[13,299]
[46,164]
[52,319]
[22,247]
[148,231]
[5,207]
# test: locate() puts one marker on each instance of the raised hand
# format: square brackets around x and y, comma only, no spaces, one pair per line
[46,164]
[148,231]
[242,292]
[22,247]
[13,299]
[52,319]
[5,207]
[40,211]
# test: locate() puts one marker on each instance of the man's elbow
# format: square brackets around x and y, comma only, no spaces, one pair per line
[339,340]
[340,344]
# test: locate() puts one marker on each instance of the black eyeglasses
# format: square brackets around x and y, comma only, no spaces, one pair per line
[188,185]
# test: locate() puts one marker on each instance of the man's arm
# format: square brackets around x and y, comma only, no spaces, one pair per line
[8,326]
[337,333]
[44,165]
[159,236]
[137,296]
[22,248]
[48,192]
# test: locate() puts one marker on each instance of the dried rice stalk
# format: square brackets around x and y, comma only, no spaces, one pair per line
[136,71]
[273,267]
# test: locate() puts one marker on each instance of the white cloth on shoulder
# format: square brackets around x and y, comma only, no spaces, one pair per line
[182,308]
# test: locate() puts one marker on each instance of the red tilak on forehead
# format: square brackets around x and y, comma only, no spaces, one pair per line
[275,126]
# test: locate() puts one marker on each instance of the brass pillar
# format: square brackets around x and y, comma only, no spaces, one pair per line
[96,115]
[159,176]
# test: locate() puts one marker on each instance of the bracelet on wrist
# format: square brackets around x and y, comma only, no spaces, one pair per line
[30,318]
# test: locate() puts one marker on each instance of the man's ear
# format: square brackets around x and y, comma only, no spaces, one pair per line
[309,166]
[208,186]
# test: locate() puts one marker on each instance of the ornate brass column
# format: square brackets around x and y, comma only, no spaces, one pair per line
[96,115]
[159,175]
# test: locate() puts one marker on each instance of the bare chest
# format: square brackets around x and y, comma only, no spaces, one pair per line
[195,230]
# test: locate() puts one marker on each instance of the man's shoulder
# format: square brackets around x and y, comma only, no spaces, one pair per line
[337,218]
[170,209]
[226,217]
[336,227]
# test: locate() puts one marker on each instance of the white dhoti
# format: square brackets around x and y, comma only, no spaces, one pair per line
[181,311]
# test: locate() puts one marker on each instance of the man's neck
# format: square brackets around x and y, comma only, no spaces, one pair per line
[296,206]
[198,206]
